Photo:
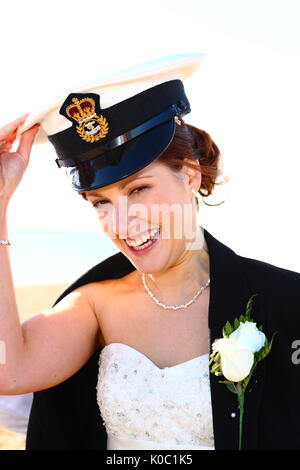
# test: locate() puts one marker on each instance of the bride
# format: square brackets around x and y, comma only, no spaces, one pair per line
[121,361]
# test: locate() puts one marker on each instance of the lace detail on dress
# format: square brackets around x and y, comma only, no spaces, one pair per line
[138,400]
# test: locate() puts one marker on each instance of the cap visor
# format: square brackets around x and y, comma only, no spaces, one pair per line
[122,161]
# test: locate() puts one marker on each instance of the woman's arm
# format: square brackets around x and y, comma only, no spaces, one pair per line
[57,343]
[51,346]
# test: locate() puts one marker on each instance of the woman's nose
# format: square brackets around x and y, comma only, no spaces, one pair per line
[120,218]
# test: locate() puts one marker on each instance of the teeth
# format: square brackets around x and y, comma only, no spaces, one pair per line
[142,238]
[141,247]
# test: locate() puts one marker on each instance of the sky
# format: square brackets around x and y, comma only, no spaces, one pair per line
[245,95]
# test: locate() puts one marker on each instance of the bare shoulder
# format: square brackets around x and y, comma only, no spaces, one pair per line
[105,295]
[103,289]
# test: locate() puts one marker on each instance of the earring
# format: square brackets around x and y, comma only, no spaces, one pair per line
[196,194]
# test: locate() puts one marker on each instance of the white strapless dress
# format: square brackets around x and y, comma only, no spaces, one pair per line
[146,407]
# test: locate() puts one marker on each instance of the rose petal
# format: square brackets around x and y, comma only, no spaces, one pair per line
[247,336]
[236,365]
[221,345]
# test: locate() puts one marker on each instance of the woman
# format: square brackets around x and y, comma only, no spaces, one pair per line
[153,310]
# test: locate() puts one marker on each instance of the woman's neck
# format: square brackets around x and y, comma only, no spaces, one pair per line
[184,278]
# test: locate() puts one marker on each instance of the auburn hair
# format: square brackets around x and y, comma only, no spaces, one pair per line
[195,144]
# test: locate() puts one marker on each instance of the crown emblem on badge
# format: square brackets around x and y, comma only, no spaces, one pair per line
[91,127]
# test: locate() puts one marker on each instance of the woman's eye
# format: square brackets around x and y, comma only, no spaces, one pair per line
[97,204]
[139,189]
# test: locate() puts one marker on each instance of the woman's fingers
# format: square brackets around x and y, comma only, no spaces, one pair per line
[26,142]
[12,137]
[5,147]
[7,131]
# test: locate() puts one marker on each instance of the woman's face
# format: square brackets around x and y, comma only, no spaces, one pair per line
[149,215]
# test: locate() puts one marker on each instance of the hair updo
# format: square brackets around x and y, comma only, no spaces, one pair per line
[195,144]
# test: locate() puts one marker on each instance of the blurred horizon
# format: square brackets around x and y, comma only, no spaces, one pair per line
[55,257]
[43,258]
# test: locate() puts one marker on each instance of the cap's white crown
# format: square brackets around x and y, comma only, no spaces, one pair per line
[113,89]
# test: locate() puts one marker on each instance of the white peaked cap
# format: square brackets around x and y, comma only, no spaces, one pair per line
[113,89]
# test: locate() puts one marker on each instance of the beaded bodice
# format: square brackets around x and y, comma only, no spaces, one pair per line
[140,401]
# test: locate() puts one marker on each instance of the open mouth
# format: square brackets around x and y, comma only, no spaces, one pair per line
[144,241]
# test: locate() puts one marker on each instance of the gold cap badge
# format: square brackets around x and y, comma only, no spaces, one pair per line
[91,127]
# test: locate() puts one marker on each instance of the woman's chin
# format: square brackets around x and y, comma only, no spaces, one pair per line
[148,260]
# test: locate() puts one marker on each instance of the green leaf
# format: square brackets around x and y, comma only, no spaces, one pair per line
[215,368]
[265,350]
[230,387]
[249,307]
[210,361]
[227,330]
[236,323]
[214,357]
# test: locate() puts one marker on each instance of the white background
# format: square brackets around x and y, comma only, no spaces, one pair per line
[246,95]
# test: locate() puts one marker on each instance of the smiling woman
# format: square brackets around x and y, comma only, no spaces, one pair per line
[121,360]
[140,217]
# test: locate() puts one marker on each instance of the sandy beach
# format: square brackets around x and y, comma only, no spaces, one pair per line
[34,299]
[31,300]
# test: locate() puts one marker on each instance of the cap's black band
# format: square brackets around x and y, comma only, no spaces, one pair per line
[171,112]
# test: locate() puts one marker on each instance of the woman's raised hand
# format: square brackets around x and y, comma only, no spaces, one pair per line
[14,164]
[40,354]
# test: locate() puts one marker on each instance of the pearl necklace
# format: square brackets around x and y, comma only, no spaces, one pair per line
[173,307]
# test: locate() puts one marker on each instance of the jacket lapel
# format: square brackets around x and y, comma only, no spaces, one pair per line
[229,293]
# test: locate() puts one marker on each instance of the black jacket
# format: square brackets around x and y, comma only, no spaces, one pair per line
[67,415]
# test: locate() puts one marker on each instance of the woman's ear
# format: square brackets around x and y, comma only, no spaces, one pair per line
[194,175]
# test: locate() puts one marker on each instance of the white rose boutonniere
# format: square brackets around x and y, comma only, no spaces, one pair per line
[236,355]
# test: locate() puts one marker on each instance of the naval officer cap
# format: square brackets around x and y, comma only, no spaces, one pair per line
[117,125]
